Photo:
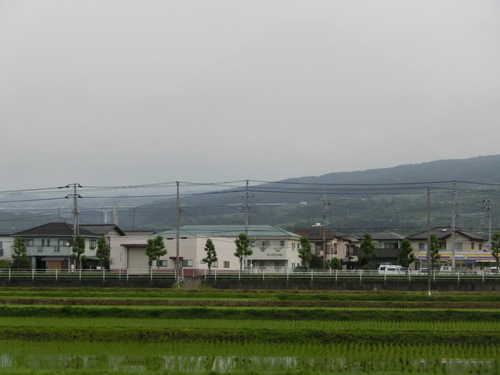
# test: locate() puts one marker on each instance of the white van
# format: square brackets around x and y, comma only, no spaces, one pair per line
[494,271]
[391,269]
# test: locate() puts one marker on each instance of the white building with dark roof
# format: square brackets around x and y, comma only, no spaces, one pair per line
[274,249]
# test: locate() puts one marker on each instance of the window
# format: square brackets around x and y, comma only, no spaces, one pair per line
[29,242]
[46,243]
[282,243]
[480,246]
[1,251]
[226,264]
[422,246]
[459,245]
[472,245]
[187,263]
[163,263]
[265,243]
[215,264]
[92,244]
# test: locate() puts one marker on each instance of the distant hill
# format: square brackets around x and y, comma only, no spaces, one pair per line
[478,169]
[353,202]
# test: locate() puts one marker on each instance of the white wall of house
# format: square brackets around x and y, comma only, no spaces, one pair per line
[6,243]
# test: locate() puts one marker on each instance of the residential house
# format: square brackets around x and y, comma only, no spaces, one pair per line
[326,244]
[49,246]
[465,248]
[387,245]
[274,249]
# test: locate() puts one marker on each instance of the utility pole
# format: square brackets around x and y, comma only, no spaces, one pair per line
[429,241]
[115,213]
[453,224]
[325,203]
[487,207]
[75,196]
[247,207]
[76,226]
[178,224]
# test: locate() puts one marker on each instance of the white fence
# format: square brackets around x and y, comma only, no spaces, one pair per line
[143,274]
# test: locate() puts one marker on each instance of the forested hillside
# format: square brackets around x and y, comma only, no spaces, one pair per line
[355,202]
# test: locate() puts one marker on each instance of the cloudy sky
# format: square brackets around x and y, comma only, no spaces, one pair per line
[125,92]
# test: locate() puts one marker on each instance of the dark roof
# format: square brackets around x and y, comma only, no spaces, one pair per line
[445,232]
[316,233]
[54,229]
[387,235]
[102,229]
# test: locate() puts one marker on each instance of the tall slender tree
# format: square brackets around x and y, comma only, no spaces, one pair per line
[367,250]
[19,255]
[305,252]
[211,257]
[435,247]
[154,250]
[242,248]
[78,249]
[103,252]
[405,254]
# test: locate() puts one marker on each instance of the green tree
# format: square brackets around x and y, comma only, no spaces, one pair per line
[242,248]
[367,251]
[435,256]
[317,262]
[78,249]
[154,250]
[305,252]
[405,254]
[495,248]
[103,252]
[20,258]
[335,263]
[211,257]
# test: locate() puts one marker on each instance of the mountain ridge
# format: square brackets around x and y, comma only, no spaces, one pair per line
[468,169]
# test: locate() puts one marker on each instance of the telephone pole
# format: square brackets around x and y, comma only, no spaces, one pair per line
[247,207]
[75,196]
[326,203]
[453,224]
[487,207]
[178,224]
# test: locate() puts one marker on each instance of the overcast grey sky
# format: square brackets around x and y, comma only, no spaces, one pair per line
[121,92]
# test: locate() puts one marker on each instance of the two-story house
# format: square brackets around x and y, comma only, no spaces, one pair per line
[49,246]
[464,248]
[327,244]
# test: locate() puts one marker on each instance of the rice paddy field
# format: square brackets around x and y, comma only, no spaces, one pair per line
[178,331]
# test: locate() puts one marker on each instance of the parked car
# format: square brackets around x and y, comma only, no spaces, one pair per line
[390,269]
[494,271]
[423,271]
